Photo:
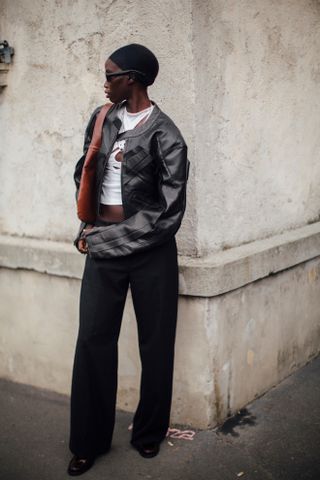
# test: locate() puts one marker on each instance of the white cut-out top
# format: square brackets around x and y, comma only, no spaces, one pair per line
[111,185]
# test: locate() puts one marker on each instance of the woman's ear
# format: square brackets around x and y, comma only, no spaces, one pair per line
[132,77]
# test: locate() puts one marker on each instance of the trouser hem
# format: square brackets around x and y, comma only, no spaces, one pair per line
[91,453]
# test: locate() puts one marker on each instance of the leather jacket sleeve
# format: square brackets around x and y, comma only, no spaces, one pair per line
[151,225]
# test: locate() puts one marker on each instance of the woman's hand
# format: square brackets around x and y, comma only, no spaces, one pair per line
[82,243]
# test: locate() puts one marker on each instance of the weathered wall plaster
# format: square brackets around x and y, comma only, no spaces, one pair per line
[198,277]
[55,83]
[257,109]
[38,335]
[241,80]
[261,333]
[229,349]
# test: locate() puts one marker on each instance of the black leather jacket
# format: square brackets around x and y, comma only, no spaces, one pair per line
[154,175]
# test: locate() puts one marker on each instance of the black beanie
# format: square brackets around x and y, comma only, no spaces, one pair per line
[137,57]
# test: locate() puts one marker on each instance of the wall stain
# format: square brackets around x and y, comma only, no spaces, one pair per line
[286,358]
[241,419]
[312,275]
[218,402]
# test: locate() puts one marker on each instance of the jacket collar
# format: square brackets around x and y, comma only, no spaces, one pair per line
[116,122]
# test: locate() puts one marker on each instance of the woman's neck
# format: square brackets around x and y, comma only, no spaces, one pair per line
[139,101]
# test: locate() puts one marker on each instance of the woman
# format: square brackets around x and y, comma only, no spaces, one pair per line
[141,175]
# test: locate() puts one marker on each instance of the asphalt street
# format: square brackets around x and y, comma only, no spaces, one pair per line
[275,437]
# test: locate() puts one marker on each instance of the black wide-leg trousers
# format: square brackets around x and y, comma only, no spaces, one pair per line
[153,279]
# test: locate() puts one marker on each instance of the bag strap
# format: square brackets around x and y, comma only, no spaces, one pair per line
[96,140]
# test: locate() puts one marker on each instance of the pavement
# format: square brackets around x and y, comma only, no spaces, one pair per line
[276,437]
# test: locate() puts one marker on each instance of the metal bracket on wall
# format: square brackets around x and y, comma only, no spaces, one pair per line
[6,53]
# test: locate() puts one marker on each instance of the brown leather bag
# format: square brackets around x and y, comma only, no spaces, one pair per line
[86,203]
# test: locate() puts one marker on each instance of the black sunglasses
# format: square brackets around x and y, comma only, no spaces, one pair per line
[109,76]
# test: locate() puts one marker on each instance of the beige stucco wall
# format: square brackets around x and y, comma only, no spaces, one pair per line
[38,335]
[57,80]
[257,143]
[241,80]
[229,348]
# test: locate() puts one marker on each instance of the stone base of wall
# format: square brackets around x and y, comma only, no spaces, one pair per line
[231,347]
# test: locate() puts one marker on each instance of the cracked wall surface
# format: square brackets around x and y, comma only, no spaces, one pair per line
[256,140]
[240,79]
[55,83]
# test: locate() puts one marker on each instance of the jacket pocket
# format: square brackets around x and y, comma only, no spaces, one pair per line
[138,163]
